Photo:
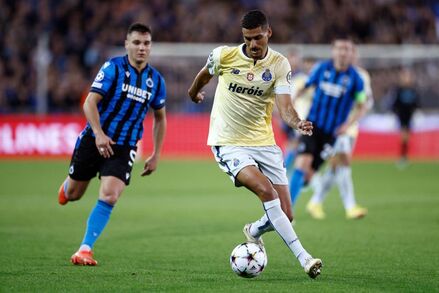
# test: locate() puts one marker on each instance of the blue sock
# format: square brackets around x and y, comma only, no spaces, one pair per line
[96,223]
[296,184]
[289,159]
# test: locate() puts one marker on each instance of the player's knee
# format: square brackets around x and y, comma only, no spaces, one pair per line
[109,196]
[266,192]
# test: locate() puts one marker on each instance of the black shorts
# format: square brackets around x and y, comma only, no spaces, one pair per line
[405,118]
[319,144]
[87,162]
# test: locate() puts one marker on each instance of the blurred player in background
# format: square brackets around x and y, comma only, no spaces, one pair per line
[115,108]
[251,78]
[338,87]
[405,103]
[299,69]
[339,169]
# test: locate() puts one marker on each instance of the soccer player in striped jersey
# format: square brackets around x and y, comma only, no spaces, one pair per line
[119,98]
[338,88]
[339,170]
[251,78]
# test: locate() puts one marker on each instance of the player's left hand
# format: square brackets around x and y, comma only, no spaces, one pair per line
[305,127]
[199,97]
[150,165]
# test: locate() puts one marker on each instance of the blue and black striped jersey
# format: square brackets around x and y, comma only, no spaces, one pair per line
[335,93]
[127,96]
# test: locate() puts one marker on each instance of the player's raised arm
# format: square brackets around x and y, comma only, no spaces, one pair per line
[289,114]
[203,77]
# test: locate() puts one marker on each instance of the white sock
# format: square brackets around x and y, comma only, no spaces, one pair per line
[65,187]
[261,226]
[84,247]
[345,186]
[322,185]
[283,227]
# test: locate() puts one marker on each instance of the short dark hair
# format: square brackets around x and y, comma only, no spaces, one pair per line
[139,27]
[254,19]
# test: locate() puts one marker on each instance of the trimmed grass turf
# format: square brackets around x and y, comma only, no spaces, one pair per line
[174,231]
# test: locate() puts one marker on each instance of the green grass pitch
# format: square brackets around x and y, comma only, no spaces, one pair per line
[174,231]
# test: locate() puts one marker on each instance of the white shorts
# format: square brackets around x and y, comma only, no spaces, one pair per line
[344,144]
[269,159]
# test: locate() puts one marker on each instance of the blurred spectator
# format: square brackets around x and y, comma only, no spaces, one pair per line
[80,32]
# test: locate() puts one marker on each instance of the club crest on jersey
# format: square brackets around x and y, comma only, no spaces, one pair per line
[266,76]
[327,74]
[250,76]
[149,82]
[235,71]
[100,76]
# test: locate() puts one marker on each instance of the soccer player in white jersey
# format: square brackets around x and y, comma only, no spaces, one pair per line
[251,78]
[340,164]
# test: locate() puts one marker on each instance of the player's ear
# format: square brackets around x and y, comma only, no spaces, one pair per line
[126,44]
[269,32]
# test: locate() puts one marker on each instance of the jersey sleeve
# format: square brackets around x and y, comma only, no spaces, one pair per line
[213,61]
[360,94]
[104,79]
[283,74]
[314,76]
[160,98]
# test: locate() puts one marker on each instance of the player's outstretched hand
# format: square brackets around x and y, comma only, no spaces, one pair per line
[150,166]
[305,127]
[199,97]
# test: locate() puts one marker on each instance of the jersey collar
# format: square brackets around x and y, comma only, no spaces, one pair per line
[241,52]
[134,68]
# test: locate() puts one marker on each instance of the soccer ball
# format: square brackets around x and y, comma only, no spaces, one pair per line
[248,260]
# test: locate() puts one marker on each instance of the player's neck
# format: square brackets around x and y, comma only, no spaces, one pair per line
[341,67]
[138,66]
[246,52]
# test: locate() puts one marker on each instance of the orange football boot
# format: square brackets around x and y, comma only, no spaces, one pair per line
[83,258]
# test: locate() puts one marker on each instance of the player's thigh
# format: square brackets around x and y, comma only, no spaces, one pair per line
[253,179]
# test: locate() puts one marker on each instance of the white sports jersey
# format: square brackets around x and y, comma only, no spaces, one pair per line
[244,98]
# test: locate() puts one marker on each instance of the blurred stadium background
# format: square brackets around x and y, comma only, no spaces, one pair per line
[174,231]
[51,51]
